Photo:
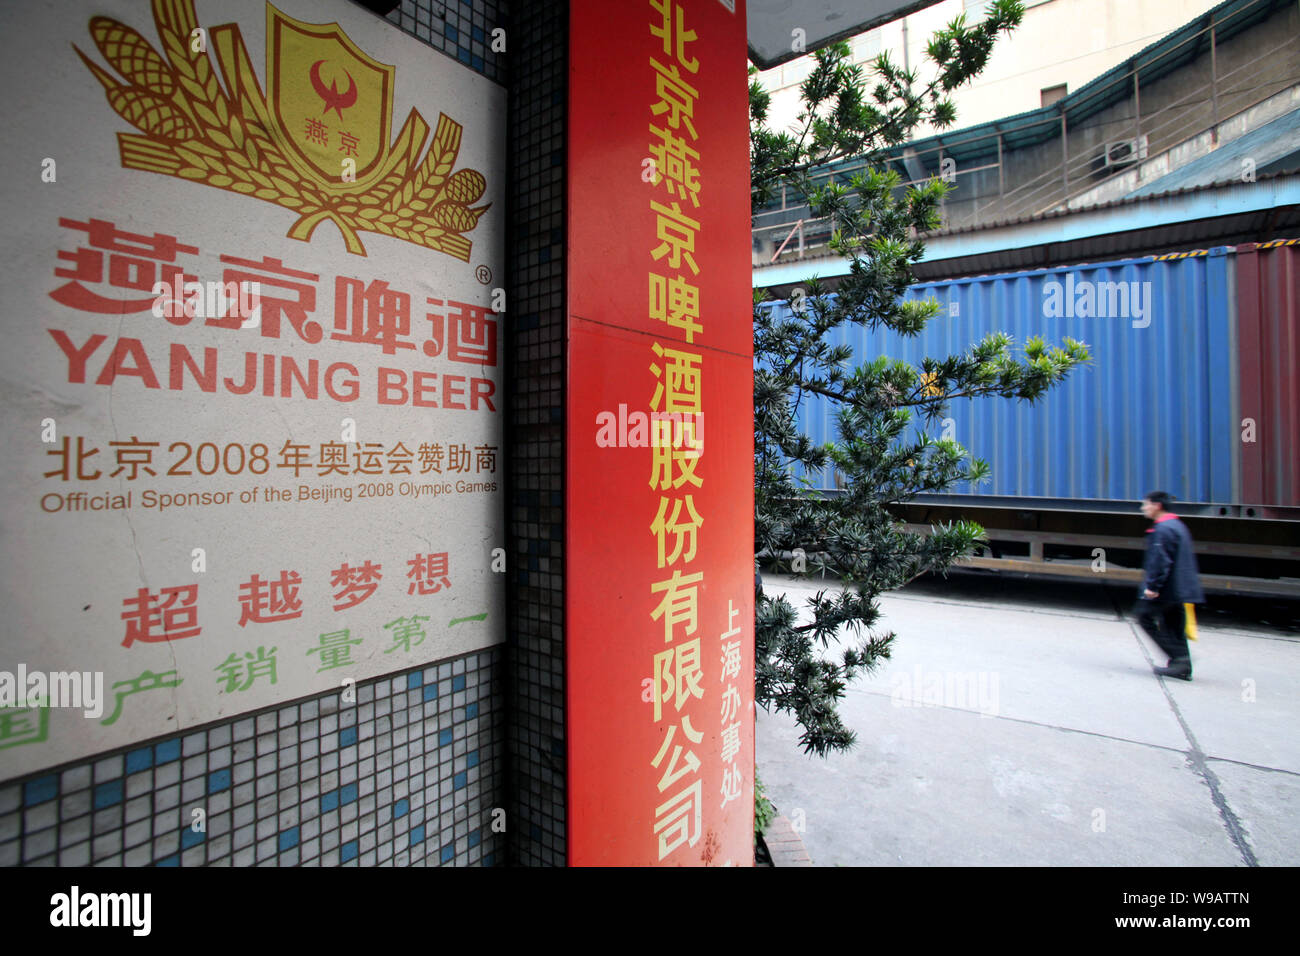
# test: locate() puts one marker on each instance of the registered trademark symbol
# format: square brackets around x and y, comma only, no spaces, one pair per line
[483,274]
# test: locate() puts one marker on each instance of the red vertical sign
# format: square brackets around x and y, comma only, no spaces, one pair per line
[659,572]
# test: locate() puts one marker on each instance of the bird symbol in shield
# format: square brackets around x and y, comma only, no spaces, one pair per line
[333,99]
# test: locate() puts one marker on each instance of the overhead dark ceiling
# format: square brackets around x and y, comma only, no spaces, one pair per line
[772,24]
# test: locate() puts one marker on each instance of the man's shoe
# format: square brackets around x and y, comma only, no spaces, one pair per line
[1180,667]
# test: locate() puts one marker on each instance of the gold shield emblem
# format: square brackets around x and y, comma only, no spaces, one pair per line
[332,101]
[318,143]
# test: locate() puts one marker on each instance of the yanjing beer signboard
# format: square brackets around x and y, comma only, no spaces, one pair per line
[253,426]
[659,608]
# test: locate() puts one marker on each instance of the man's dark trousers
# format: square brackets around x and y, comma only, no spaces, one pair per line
[1165,622]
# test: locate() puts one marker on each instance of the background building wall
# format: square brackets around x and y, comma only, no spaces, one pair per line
[1058,42]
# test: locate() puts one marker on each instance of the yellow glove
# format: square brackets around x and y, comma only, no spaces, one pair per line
[1191,621]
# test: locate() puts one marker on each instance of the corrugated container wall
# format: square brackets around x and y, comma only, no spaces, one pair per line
[1154,409]
[1268,282]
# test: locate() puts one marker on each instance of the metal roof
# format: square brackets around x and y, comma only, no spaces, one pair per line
[1214,214]
[1273,145]
[1133,199]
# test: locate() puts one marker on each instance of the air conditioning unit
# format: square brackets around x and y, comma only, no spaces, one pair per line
[1124,152]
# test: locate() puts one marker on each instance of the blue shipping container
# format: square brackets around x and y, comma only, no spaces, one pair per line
[1154,409]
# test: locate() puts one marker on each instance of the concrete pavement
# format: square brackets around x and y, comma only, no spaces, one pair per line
[1019,723]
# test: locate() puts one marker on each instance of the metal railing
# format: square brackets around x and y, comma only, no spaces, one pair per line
[1158,132]
[1081,170]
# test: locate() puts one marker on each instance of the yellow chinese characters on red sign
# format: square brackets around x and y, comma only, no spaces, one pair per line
[655,778]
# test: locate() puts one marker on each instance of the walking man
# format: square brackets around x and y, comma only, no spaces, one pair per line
[1170,579]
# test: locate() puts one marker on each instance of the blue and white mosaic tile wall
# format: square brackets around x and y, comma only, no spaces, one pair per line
[409,774]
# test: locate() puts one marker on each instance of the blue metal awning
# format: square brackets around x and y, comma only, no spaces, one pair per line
[1222,213]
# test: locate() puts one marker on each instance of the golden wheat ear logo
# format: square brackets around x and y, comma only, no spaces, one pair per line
[318,143]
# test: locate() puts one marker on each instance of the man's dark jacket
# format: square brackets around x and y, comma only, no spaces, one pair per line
[1170,565]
